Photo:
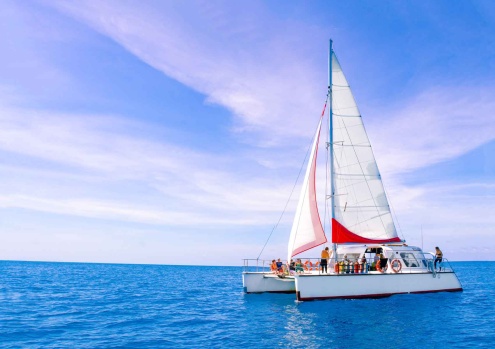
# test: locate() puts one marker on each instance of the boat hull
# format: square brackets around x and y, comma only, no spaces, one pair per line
[255,282]
[314,287]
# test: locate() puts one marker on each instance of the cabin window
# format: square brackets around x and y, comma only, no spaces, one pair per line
[376,250]
[409,260]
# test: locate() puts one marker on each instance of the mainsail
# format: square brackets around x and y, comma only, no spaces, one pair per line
[361,213]
[361,210]
[307,231]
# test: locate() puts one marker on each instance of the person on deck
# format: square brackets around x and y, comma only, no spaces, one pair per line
[325,256]
[438,257]
[280,267]
[363,264]
[346,264]
[377,258]
[299,267]
[273,266]
[292,265]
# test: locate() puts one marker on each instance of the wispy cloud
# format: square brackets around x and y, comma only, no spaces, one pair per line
[166,184]
[271,88]
[441,123]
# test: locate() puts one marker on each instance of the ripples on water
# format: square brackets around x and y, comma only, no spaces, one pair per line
[72,305]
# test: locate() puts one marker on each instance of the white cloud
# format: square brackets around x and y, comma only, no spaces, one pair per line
[98,169]
[440,124]
[455,215]
[272,88]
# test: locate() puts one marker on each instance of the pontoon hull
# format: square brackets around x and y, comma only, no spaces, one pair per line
[313,287]
[262,282]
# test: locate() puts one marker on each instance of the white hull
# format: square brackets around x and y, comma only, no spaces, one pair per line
[312,287]
[264,282]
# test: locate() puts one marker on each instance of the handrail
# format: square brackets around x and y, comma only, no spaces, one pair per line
[311,265]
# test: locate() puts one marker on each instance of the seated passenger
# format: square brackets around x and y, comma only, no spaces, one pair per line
[280,266]
[273,266]
[299,266]
[292,265]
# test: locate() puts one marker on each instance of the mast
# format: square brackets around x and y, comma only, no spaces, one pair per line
[330,145]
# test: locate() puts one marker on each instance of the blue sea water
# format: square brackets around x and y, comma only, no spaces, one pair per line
[76,305]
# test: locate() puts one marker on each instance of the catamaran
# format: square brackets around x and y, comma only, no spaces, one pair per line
[368,259]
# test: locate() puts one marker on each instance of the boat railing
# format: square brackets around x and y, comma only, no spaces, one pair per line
[389,265]
[264,266]
[256,265]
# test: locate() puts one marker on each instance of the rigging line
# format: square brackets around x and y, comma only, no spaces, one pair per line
[353,145]
[293,187]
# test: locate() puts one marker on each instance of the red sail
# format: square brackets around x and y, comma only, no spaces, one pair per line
[341,235]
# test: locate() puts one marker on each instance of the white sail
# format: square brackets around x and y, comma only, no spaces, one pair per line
[361,205]
[307,231]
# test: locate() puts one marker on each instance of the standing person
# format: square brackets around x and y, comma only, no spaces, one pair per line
[364,269]
[325,256]
[375,261]
[438,256]
[377,258]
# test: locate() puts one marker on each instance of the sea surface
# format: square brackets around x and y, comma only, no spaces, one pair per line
[77,305]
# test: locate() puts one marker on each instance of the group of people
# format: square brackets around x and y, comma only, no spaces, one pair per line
[345,265]
[279,267]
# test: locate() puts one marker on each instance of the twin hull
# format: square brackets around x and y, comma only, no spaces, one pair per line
[321,286]
[258,282]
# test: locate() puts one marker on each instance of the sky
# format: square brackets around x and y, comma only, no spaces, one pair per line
[172,132]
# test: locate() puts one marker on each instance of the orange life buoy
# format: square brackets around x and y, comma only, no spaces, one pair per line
[396,265]
[305,266]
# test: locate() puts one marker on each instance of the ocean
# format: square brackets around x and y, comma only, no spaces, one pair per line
[79,305]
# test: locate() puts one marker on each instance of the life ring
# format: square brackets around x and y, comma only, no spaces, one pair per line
[396,265]
[306,265]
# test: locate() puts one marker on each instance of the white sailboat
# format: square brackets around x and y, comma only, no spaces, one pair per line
[368,257]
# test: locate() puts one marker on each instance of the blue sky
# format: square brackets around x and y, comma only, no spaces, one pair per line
[172,131]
